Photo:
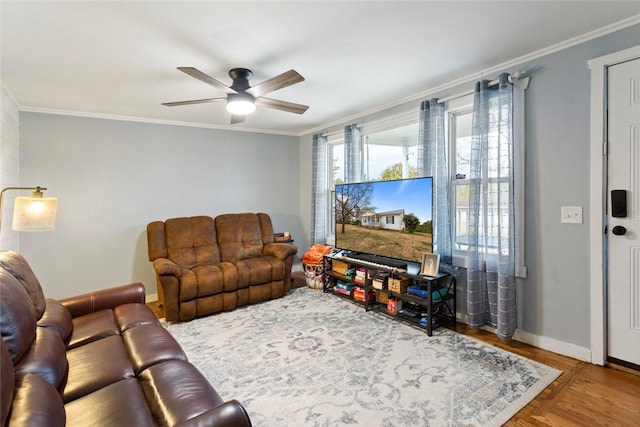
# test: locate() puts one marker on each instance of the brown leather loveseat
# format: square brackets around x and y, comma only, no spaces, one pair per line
[96,359]
[205,265]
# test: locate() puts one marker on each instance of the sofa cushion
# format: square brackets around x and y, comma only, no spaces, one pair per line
[259,270]
[192,241]
[239,236]
[213,279]
[36,403]
[207,280]
[151,344]
[17,316]
[46,357]
[118,404]
[130,315]
[19,268]
[96,365]
[57,318]
[262,270]
[91,327]
[177,391]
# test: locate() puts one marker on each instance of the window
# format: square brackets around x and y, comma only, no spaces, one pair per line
[459,121]
[459,135]
[459,113]
[389,151]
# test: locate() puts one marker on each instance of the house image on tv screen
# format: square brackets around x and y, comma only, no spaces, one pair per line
[390,220]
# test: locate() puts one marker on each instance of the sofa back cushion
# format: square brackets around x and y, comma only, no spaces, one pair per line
[189,242]
[18,267]
[240,236]
[36,403]
[266,228]
[17,316]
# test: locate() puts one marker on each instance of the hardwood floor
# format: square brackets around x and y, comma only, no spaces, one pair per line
[583,395]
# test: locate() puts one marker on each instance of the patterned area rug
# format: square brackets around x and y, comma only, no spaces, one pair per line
[313,359]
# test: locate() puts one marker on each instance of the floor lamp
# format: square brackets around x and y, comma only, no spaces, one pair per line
[35,213]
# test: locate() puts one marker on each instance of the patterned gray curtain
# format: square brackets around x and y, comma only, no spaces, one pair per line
[319,198]
[491,286]
[352,154]
[432,161]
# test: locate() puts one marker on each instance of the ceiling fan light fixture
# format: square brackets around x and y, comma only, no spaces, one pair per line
[240,103]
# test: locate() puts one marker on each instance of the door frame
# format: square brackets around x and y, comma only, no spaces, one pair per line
[598,196]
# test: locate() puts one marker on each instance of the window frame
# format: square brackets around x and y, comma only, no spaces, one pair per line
[464,103]
[453,109]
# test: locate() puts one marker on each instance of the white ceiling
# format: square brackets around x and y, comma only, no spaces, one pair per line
[119,59]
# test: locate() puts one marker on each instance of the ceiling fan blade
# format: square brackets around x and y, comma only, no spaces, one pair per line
[280,81]
[281,105]
[237,118]
[194,101]
[194,72]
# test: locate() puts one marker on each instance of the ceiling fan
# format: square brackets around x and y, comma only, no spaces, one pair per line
[241,97]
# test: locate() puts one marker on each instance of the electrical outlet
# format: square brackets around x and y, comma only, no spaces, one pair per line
[571,214]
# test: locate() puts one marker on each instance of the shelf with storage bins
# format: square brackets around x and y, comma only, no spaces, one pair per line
[422,301]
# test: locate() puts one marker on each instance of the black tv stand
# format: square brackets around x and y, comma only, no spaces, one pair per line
[428,311]
[380,260]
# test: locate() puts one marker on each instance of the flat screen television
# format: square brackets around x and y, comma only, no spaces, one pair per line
[389,219]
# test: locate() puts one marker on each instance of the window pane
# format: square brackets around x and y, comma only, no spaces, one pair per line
[391,154]
[336,157]
[382,162]
[462,216]
[461,135]
[498,221]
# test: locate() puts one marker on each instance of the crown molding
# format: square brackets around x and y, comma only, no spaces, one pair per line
[150,120]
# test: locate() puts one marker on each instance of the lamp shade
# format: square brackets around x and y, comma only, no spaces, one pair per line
[34,213]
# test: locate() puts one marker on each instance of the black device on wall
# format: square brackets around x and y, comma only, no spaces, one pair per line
[619,203]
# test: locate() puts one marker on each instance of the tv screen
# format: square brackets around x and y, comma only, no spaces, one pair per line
[391,219]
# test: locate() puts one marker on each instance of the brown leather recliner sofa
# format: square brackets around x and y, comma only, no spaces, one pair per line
[96,359]
[205,265]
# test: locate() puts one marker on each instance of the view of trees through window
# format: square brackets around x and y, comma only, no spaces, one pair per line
[386,155]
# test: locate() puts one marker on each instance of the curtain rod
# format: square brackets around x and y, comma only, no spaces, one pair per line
[512,77]
[518,75]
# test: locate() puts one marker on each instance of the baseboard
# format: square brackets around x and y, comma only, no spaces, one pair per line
[554,345]
[550,344]
[151,297]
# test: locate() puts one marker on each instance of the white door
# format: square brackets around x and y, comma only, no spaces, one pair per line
[623,231]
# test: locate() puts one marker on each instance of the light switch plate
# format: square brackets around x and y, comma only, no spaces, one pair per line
[571,214]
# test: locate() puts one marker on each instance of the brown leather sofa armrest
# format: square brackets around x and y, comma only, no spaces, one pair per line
[230,413]
[165,267]
[105,298]
[280,250]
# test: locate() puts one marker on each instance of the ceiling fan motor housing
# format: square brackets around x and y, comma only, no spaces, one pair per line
[240,78]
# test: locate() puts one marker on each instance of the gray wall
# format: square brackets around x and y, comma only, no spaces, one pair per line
[114,177]
[553,301]
[9,162]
